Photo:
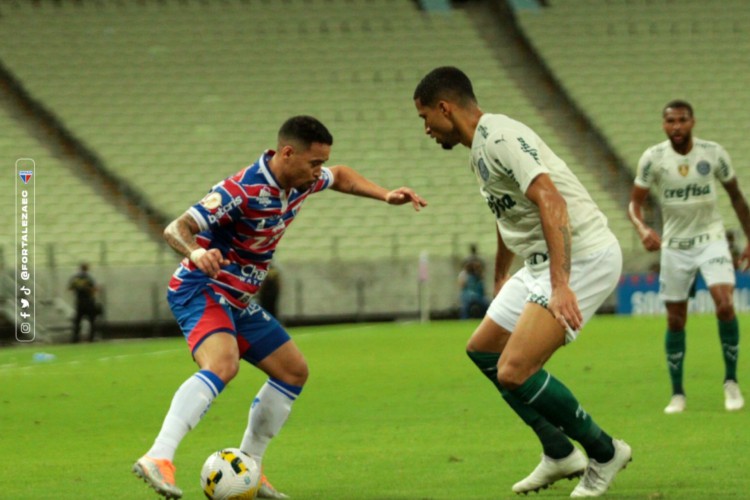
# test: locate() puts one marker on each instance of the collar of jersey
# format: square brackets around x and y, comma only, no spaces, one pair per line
[266,171]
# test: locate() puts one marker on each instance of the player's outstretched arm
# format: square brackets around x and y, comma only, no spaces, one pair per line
[649,238]
[347,180]
[180,235]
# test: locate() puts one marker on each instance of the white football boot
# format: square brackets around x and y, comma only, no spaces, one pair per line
[733,399]
[551,470]
[677,404]
[598,477]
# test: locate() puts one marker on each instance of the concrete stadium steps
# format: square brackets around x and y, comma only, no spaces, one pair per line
[73,221]
[176,95]
[622,60]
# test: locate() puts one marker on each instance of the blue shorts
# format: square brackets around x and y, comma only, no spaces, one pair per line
[258,333]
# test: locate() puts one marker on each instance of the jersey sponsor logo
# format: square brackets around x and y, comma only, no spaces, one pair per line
[224,209]
[683,169]
[529,150]
[647,171]
[483,171]
[211,201]
[687,243]
[724,168]
[720,261]
[508,172]
[703,167]
[483,131]
[500,205]
[252,274]
[689,191]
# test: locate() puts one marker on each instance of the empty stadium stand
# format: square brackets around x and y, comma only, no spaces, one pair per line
[74,222]
[176,95]
[623,60]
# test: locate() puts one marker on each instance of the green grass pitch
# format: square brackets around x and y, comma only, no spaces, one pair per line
[390,412]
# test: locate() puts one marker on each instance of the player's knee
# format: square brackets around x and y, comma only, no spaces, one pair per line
[676,322]
[225,368]
[725,310]
[511,375]
[296,373]
[471,347]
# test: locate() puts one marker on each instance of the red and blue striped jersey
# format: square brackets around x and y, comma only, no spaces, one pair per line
[244,216]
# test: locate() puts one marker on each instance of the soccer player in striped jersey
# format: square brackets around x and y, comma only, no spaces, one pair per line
[685,171]
[572,263]
[228,240]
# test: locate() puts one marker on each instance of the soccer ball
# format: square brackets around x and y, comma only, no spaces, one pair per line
[230,474]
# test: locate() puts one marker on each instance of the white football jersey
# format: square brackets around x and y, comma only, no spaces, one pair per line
[685,186]
[506,156]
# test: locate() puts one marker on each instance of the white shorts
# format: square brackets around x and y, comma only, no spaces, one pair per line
[592,279]
[678,268]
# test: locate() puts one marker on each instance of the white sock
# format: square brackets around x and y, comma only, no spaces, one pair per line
[269,411]
[191,401]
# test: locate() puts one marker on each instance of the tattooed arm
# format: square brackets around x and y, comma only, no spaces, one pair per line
[180,235]
[553,213]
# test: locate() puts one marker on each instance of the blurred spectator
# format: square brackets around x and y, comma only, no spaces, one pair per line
[471,283]
[84,288]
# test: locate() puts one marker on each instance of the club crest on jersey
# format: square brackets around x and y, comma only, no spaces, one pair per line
[483,171]
[703,167]
[683,169]
[211,201]
[264,197]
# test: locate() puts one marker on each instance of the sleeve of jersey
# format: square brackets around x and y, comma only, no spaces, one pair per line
[644,175]
[325,181]
[725,172]
[222,205]
[515,157]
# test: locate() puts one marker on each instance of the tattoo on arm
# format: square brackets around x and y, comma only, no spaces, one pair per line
[180,236]
[565,230]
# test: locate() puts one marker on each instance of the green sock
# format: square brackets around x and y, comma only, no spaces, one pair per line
[558,405]
[729,333]
[554,442]
[674,343]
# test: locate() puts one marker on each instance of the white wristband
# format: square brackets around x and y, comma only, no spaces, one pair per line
[196,254]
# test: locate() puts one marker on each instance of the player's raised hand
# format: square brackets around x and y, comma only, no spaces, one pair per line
[209,261]
[405,195]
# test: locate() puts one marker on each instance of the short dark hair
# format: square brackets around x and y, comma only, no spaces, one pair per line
[445,82]
[678,103]
[305,130]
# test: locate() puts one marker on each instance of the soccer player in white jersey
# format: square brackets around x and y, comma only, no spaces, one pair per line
[228,240]
[572,263]
[683,171]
